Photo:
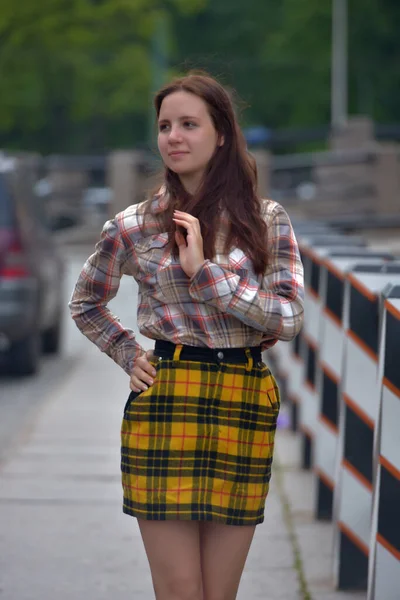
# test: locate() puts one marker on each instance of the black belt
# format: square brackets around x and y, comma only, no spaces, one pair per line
[232,355]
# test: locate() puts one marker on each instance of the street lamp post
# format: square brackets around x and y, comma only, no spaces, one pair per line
[159,65]
[339,63]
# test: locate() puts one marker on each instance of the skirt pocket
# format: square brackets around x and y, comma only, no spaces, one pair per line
[133,395]
[273,393]
[131,398]
[271,387]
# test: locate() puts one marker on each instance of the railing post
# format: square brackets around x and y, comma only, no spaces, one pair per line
[384,569]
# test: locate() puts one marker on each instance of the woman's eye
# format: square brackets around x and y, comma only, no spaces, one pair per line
[189,124]
[162,127]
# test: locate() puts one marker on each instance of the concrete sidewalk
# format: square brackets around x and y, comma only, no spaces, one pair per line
[312,541]
[63,535]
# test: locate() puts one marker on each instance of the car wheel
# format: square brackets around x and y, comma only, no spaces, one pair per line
[24,355]
[51,338]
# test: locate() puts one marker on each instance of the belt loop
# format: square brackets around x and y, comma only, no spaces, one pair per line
[250,361]
[177,352]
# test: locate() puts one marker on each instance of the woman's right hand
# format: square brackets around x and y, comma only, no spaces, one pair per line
[143,373]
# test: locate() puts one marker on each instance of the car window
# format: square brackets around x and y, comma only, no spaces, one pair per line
[6,205]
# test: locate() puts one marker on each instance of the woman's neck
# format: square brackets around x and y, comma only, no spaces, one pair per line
[191,183]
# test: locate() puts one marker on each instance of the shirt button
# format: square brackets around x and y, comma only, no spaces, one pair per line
[220,355]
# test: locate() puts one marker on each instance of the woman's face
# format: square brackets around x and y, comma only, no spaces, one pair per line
[187,137]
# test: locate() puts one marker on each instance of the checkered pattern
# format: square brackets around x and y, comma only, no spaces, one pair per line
[198,444]
[224,305]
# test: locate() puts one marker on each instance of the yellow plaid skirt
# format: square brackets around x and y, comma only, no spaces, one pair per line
[198,444]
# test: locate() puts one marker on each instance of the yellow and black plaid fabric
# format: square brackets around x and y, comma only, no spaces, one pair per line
[198,444]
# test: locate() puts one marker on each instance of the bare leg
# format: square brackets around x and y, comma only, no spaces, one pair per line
[224,550]
[173,551]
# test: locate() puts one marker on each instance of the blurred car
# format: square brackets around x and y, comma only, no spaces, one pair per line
[31,275]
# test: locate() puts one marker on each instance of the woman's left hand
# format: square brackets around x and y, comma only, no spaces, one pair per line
[191,253]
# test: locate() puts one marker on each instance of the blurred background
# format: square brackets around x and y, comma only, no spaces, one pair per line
[78,78]
[317,89]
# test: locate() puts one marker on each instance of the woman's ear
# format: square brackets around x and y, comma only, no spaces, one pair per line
[221,140]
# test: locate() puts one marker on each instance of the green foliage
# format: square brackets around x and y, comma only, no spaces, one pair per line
[78,75]
[374,50]
[277,54]
[70,69]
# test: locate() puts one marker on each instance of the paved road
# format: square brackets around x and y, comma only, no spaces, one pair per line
[20,397]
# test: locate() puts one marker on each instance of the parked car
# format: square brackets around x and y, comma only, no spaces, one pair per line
[31,275]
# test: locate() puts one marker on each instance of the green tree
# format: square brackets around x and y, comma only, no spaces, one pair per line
[275,54]
[278,57]
[75,75]
[374,58]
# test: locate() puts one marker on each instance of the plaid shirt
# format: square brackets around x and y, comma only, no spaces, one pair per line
[224,305]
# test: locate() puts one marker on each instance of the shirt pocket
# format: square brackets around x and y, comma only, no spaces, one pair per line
[152,254]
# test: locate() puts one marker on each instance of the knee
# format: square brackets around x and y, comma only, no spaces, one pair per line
[220,594]
[180,588]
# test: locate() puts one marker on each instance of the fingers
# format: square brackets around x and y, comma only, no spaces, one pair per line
[180,239]
[191,253]
[143,374]
[134,387]
[193,234]
[187,221]
[140,382]
[185,218]
[149,354]
[184,215]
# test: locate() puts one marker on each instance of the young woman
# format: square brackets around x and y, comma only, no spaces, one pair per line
[220,280]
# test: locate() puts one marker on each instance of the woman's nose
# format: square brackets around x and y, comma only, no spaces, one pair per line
[175,134]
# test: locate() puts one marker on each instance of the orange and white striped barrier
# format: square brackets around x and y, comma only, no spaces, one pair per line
[302,385]
[334,270]
[360,400]
[384,571]
[286,356]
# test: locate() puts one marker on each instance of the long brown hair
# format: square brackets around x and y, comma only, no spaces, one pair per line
[229,183]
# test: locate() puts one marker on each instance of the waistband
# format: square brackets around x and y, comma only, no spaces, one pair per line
[165,349]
